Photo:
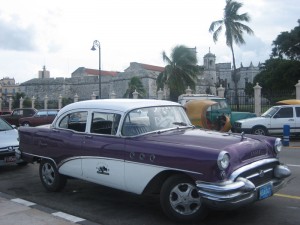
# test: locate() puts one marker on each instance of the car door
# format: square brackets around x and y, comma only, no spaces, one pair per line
[38,118]
[284,116]
[297,118]
[103,162]
[66,142]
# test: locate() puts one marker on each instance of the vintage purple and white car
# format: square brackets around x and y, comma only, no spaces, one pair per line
[150,146]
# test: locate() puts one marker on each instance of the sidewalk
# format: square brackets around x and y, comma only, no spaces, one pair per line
[18,211]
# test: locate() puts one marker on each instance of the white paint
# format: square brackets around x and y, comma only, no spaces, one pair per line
[22,202]
[69,217]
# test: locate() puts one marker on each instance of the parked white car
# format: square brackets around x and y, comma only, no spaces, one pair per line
[272,121]
[9,143]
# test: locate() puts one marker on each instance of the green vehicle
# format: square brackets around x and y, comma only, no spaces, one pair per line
[219,114]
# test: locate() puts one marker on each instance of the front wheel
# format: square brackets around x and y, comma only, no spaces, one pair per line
[180,199]
[260,131]
[50,177]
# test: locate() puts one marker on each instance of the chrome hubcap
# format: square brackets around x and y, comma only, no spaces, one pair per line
[185,199]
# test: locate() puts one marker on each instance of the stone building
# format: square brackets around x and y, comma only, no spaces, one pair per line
[44,73]
[206,80]
[84,82]
[8,88]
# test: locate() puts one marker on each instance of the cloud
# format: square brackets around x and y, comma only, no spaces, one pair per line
[14,37]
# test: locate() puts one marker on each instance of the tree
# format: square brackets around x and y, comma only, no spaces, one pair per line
[234,30]
[287,44]
[16,100]
[282,71]
[278,74]
[180,72]
[135,84]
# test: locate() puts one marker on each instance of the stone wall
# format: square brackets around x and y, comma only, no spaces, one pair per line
[85,86]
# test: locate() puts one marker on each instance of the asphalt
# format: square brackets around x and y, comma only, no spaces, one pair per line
[19,211]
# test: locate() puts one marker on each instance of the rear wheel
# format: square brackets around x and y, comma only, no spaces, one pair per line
[180,199]
[260,131]
[26,124]
[50,177]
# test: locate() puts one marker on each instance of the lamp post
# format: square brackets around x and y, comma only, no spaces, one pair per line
[96,44]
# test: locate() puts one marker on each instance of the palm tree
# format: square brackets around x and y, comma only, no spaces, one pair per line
[234,31]
[180,72]
[135,84]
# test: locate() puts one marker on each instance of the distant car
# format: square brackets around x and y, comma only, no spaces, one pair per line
[9,143]
[272,121]
[41,117]
[13,118]
[148,146]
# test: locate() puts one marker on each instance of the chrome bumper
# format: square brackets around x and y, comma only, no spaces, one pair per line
[233,194]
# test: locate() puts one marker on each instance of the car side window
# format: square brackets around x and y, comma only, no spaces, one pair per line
[41,113]
[74,121]
[286,112]
[298,111]
[105,123]
[18,113]
[52,113]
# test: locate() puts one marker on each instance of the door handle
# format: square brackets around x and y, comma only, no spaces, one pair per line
[291,120]
[88,136]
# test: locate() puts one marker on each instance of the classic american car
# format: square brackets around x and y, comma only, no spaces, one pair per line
[150,146]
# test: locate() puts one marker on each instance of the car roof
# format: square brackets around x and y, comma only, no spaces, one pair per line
[286,106]
[122,105]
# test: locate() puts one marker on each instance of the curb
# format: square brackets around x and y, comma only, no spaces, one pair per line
[55,213]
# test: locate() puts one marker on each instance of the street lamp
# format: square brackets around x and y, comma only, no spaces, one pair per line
[96,44]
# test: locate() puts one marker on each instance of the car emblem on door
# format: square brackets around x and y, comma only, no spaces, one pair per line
[102,170]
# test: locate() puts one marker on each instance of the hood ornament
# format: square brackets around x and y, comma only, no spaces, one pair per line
[242,135]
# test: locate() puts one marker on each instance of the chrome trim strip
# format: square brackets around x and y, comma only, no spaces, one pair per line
[43,157]
[253,165]
[257,174]
[115,159]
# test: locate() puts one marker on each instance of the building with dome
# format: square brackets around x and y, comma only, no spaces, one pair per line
[84,81]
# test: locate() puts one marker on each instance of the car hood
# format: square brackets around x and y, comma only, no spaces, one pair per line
[9,138]
[242,148]
[253,120]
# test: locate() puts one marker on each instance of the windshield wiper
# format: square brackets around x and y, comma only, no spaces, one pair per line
[180,123]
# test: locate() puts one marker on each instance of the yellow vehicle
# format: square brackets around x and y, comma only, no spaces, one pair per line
[289,102]
[216,116]
[197,113]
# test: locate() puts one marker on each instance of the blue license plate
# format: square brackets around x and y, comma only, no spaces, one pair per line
[265,191]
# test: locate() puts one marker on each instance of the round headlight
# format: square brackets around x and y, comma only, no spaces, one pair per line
[223,160]
[278,145]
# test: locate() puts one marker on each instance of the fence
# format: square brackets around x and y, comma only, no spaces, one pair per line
[258,103]
[243,103]
[246,102]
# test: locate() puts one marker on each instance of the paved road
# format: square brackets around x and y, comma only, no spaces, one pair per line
[112,207]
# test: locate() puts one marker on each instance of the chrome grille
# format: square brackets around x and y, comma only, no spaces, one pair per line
[260,175]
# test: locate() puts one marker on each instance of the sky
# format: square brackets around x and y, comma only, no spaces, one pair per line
[59,34]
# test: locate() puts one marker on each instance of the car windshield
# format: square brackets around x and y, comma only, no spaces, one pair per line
[221,104]
[4,126]
[151,119]
[270,112]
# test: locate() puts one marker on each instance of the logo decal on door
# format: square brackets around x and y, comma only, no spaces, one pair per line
[102,170]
